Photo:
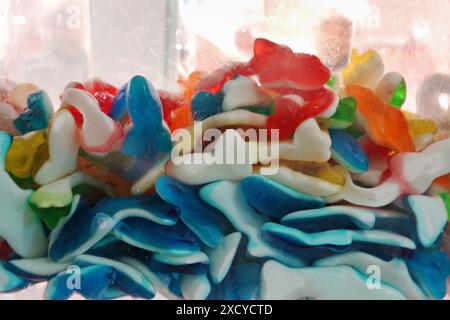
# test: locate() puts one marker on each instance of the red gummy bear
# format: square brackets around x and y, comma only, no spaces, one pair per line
[290,112]
[278,68]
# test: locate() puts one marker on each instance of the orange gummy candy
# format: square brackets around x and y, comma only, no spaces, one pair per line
[387,125]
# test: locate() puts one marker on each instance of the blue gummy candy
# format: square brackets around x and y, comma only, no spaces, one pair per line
[346,151]
[85,226]
[37,114]
[430,270]
[149,134]
[275,200]
[119,105]
[205,104]
[175,240]
[93,281]
[203,219]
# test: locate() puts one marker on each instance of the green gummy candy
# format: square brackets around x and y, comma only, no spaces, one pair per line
[399,95]
[354,133]
[265,110]
[345,114]
[446,198]
[332,81]
[51,216]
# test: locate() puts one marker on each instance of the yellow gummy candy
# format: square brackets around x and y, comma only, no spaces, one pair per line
[27,154]
[321,170]
[418,126]
[365,70]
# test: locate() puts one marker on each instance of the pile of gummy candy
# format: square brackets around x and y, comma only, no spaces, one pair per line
[361,194]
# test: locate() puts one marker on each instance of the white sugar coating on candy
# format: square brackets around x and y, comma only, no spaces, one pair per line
[373,175]
[339,237]
[387,86]
[7,115]
[99,132]
[394,272]
[304,183]
[431,217]
[221,120]
[221,258]
[19,225]
[195,286]
[20,94]
[245,220]
[243,92]
[331,109]
[201,168]
[40,267]
[197,257]
[59,193]
[411,173]
[63,149]
[147,181]
[309,143]
[279,282]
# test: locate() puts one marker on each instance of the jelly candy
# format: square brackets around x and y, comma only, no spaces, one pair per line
[243,92]
[347,151]
[277,66]
[309,143]
[103,92]
[308,183]
[396,274]
[10,282]
[20,94]
[221,258]
[27,154]
[138,221]
[274,199]
[204,220]
[340,239]
[181,118]
[205,104]
[364,70]
[149,134]
[215,81]
[244,219]
[446,198]
[431,217]
[345,114]
[120,186]
[18,224]
[169,104]
[431,269]
[213,166]
[5,250]
[392,89]
[98,132]
[59,193]
[291,111]
[408,175]
[387,126]
[7,115]
[63,149]
[418,126]
[37,114]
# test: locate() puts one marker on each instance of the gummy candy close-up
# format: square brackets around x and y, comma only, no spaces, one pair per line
[107,182]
